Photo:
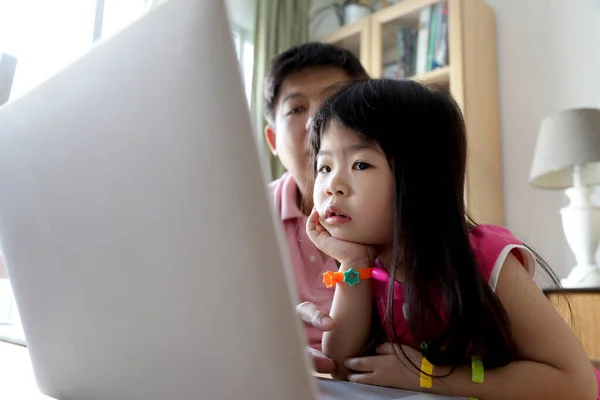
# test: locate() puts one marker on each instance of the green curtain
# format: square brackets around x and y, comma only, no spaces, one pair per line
[280,24]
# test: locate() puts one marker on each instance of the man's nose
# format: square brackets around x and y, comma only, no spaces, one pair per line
[309,122]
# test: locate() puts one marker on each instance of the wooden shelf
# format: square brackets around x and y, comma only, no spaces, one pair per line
[354,37]
[406,11]
[580,309]
[439,77]
[351,31]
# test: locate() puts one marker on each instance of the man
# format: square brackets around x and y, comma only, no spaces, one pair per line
[295,82]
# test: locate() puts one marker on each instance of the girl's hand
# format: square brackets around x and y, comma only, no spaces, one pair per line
[349,254]
[389,368]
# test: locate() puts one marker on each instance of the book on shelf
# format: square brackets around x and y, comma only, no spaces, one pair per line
[421,49]
[403,65]
[423,39]
[440,53]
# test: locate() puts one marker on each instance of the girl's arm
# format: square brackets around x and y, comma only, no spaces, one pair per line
[351,310]
[553,366]
[352,305]
[552,363]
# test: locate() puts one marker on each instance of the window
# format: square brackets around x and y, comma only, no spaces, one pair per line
[117,14]
[244,47]
[10,323]
[45,36]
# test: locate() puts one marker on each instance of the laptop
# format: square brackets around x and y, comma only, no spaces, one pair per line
[137,228]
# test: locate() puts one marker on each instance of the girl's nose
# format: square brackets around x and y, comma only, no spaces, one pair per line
[336,187]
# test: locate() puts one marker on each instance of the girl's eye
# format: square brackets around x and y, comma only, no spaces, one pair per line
[324,169]
[360,166]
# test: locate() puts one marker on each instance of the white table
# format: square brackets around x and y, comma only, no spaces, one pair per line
[16,375]
[18,383]
[336,390]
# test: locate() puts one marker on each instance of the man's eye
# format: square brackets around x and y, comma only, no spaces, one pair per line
[324,169]
[296,110]
[360,166]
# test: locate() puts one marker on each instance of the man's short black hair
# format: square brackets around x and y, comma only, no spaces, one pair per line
[303,56]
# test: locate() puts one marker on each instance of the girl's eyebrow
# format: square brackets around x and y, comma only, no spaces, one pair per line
[350,149]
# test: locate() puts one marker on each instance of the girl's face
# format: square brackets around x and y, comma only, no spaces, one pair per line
[354,188]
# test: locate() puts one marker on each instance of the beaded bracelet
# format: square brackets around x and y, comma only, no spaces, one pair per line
[350,277]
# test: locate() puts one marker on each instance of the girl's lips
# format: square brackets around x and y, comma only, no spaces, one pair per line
[335,216]
[337,220]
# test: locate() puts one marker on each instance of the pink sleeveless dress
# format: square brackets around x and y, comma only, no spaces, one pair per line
[491,245]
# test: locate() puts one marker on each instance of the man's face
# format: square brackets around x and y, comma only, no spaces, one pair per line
[299,96]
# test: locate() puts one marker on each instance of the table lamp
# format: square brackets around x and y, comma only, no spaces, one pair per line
[567,156]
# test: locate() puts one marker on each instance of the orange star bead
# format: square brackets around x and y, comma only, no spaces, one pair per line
[329,279]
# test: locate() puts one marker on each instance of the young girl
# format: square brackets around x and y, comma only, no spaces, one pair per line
[455,301]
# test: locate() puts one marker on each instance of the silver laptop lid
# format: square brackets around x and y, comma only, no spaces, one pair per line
[136,225]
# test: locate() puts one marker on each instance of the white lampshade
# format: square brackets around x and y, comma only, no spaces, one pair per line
[567,139]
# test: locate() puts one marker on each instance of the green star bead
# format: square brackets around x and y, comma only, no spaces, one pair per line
[351,277]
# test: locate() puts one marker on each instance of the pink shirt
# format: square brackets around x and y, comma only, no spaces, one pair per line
[307,263]
[491,245]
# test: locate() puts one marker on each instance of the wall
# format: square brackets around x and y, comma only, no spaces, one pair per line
[549,59]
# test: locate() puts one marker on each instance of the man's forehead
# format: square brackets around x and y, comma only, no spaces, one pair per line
[311,83]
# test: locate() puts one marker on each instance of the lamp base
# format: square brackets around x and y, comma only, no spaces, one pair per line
[582,277]
[581,224]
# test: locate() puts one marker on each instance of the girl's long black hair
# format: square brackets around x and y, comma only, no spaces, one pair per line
[422,132]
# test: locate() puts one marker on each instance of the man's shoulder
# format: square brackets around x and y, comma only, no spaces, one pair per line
[276,186]
[276,190]
[277,182]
